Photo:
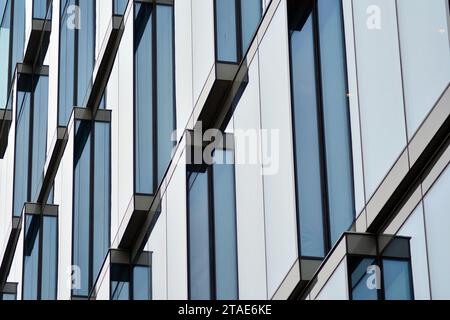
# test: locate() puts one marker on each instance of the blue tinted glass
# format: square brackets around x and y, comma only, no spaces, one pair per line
[5,27]
[198,222]
[86,47]
[307,152]
[22,148]
[143,98]
[165,94]
[19,33]
[101,219]
[336,117]
[120,6]
[397,280]
[9,297]
[66,63]
[81,192]
[31,257]
[49,258]
[225,228]
[251,11]
[142,278]
[226,31]
[360,277]
[40,117]
[120,282]
[40,9]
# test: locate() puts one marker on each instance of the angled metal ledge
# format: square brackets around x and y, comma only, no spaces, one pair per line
[38,42]
[225,82]
[10,250]
[105,62]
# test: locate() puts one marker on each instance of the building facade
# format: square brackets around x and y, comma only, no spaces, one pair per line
[224,149]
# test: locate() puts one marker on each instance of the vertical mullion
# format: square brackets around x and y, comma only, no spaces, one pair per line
[212,242]
[320,125]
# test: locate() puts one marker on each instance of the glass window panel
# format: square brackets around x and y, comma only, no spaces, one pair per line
[307,154]
[120,6]
[22,148]
[165,80]
[335,117]
[251,11]
[101,198]
[120,282]
[31,257]
[225,228]
[49,258]
[9,297]
[142,283]
[81,217]
[198,224]
[86,47]
[397,280]
[143,96]
[226,32]
[18,46]
[40,9]
[66,64]
[5,26]
[359,278]
[40,118]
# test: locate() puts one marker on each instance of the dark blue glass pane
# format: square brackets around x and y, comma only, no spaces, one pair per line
[40,9]
[226,34]
[198,221]
[142,279]
[397,280]
[101,234]
[81,192]
[22,148]
[143,94]
[120,282]
[251,11]
[18,33]
[5,28]
[86,49]
[307,152]
[225,228]
[66,62]
[361,278]
[31,257]
[120,6]
[49,258]
[165,94]
[40,118]
[336,117]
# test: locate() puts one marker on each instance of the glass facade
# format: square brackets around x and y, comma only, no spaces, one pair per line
[323,156]
[131,282]
[154,100]
[212,236]
[91,219]
[76,55]
[5,36]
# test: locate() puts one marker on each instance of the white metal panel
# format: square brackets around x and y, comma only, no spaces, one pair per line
[183,62]
[414,227]
[249,192]
[279,189]
[15,275]
[157,244]
[337,286]
[177,277]
[358,175]
[202,43]
[380,88]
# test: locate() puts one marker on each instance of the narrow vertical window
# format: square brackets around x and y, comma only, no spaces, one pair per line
[323,155]
[91,219]
[5,35]
[212,231]
[154,95]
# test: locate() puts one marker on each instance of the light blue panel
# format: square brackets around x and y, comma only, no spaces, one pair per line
[226,33]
